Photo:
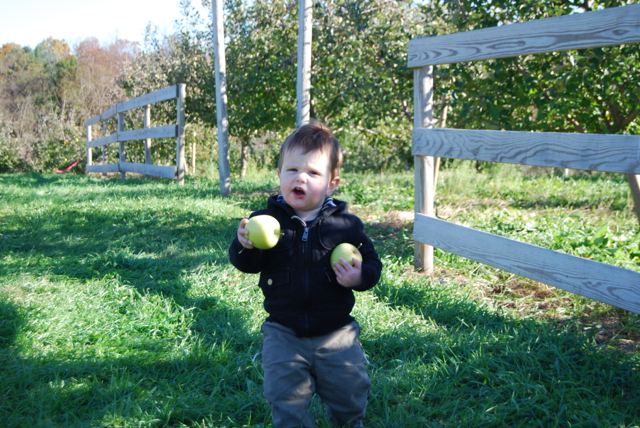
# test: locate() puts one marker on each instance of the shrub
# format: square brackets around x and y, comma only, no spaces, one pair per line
[9,149]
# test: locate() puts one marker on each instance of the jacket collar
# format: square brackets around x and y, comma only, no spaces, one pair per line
[329,207]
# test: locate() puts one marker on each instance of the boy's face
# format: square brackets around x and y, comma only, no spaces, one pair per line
[305,180]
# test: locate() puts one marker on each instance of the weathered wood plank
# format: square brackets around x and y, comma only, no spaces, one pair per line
[112,138]
[594,152]
[609,284]
[109,113]
[153,170]
[154,97]
[151,98]
[92,120]
[111,167]
[605,27]
[167,131]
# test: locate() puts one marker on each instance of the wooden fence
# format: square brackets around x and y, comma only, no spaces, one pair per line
[147,133]
[614,153]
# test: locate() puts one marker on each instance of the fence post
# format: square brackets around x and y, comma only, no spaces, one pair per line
[423,165]
[147,142]
[89,151]
[105,148]
[193,158]
[121,155]
[180,162]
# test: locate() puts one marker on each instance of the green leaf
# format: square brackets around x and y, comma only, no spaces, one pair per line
[601,235]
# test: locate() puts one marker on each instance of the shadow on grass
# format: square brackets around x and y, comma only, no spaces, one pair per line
[473,366]
[155,250]
[139,380]
[10,322]
[153,390]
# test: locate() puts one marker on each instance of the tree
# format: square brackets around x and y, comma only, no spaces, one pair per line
[21,85]
[594,90]
[261,64]
[360,79]
[101,68]
[590,90]
[60,67]
[47,93]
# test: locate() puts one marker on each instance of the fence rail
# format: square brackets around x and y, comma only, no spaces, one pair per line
[606,27]
[609,284]
[612,153]
[147,133]
[593,152]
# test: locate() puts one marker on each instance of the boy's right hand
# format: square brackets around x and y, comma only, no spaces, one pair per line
[241,234]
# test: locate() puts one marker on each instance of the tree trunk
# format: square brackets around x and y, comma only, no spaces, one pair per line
[634,184]
[221,98]
[442,124]
[303,88]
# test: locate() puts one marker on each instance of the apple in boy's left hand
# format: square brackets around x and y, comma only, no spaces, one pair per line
[345,251]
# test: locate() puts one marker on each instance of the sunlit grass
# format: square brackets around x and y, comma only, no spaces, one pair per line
[118,306]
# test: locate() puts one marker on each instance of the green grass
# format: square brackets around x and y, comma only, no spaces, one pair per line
[118,307]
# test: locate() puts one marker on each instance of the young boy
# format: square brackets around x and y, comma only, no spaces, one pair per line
[310,340]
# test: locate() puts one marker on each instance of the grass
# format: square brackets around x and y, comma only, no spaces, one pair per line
[118,307]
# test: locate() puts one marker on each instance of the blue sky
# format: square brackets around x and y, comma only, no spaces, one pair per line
[28,22]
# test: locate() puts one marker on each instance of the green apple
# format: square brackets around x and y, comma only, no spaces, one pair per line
[345,251]
[263,231]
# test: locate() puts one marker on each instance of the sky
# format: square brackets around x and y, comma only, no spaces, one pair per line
[29,22]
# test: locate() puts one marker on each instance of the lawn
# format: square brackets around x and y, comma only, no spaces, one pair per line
[118,307]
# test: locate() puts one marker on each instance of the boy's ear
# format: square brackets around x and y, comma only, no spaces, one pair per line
[278,170]
[333,185]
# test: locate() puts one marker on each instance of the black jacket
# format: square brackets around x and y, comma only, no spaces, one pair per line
[299,285]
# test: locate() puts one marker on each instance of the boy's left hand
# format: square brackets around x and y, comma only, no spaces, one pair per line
[347,275]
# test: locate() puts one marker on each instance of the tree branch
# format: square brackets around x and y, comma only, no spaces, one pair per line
[462,12]
[520,68]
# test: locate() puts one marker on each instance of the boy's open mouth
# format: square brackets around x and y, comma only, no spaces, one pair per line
[298,192]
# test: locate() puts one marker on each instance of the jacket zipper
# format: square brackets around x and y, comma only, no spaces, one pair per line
[307,272]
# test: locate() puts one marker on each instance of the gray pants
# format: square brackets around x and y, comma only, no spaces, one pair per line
[297,367]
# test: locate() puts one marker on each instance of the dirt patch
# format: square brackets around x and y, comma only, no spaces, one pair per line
[396,220]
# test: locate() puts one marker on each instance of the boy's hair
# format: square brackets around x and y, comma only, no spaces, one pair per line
[311,137]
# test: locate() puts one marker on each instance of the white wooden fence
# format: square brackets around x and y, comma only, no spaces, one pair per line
[614,153]
[147,133]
